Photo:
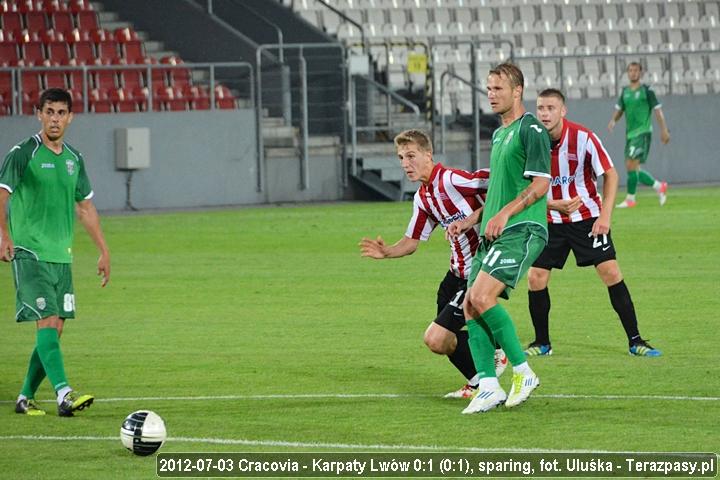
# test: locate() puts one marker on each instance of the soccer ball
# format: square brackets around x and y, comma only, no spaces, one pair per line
[143,432]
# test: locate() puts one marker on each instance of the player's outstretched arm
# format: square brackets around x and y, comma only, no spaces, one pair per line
[378,249]
[7,249]
[91,221]
[616,116]
[664,132]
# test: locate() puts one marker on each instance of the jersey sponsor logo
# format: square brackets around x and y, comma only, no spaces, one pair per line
[40,302]
[445,222]
[70,166]
[47,165]
[562,180]
[536,128]
[508,261]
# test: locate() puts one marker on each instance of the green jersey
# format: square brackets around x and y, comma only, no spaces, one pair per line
[44,187]
[638,106]
[519,151]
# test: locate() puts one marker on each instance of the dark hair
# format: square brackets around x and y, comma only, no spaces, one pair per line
[552,92]
[635,63]
[55,95]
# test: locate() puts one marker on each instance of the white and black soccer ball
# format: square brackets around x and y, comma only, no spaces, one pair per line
[143,432]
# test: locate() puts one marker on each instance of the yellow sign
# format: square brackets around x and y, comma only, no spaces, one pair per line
[417,63]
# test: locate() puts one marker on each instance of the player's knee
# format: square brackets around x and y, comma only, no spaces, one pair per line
[537,279]
[610,273]
[440,340]
[481,301]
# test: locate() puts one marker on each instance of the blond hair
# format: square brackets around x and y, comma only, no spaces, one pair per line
[418,137]
[512,72]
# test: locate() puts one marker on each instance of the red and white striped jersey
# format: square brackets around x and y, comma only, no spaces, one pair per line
[450,195]
[577,159]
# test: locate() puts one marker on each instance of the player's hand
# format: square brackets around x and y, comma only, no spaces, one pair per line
[7,249]
[495,226]
[373,248]
[567,207]
[611,126]
[601,226]
[665,137]
[103,269]
[455,229]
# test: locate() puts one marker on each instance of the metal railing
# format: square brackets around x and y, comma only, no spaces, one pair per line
[301,48]
[476,120]
[388,126]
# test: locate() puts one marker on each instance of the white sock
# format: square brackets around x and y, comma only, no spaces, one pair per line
[630,197]
[21,397]
[523,368]
[488,383]
[61,394]
[474,380]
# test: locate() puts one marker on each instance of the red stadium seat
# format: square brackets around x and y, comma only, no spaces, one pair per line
[83,53]
[33,54]
[131,79]
[58,52]
[224,98]
[35,21]
[77,6]
[105,79]
[55,79]
[198,96]
[123,100]
[11,21]
[87,20]
[9,56]
[107,52]
[52,6]
[77,35]
[7,6]
[62,21]
[99,101]
[6,84]
[133,51]
[25,6]
[77,100]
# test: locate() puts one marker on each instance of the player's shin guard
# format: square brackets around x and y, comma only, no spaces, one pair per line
[482,346]
[461,358]
[48,347]
[503,330]
[539,305]
[622,304]
[632,181]
[35,375]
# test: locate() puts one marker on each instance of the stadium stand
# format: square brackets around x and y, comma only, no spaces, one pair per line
[565,43]
[56,33]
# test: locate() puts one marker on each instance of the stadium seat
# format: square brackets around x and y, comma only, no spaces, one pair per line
[77,6]
[108,53]
[57,53]
[131,79]
[83,53]
[9,55]
[33,54]
[224,99]
[11,21]
[123,100]
[87,20]
[55,79]
[62,21]
[99,101]
[198,96]
[179,77]
[52,6]
[35,21]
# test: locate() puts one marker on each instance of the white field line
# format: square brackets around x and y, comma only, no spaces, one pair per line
[313,445]
[301,396]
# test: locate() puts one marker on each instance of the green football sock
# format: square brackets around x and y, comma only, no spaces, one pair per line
[503,330]
[35,375]
[632,181]
[482,347]
[646,178]
[48,348]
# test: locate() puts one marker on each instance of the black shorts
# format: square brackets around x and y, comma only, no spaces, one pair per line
[588,250]
[450,296]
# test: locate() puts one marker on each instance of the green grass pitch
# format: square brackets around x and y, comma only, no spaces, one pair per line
[265,329]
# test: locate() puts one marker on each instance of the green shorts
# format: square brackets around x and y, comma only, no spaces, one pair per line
[510,256]
[42,290]
[638,148]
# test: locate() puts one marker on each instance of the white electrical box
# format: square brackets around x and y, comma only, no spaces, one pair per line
[132,148]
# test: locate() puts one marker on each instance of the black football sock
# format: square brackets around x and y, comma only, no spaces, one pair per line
[539,305]
[623,305]
[461,358]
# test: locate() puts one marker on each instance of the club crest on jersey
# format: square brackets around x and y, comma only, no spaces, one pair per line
[40,302]
[70,166]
